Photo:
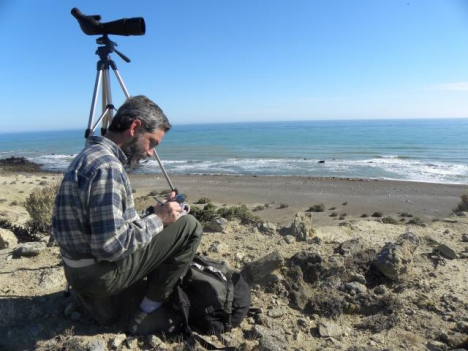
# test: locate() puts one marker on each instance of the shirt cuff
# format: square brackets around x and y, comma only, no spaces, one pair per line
[155,225]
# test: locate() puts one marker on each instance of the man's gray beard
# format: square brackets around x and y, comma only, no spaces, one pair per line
[133,152]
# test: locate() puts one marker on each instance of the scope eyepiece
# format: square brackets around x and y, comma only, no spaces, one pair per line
[92,25]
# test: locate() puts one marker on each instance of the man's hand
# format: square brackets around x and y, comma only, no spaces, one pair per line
[169,210]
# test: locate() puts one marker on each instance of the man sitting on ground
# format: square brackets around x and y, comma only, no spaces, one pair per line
[106,246]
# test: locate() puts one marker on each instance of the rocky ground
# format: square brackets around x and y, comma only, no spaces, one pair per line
[355,284]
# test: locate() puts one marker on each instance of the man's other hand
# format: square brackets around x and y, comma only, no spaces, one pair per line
[169,211]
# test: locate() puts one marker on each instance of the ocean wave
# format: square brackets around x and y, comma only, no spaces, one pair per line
[392,167]
[377,168]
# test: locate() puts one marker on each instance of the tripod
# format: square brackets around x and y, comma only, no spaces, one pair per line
[103,77]
[108,108]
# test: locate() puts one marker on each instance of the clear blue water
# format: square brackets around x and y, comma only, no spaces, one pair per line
[427,150]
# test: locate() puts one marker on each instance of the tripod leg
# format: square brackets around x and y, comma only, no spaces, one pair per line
[97,85]
[122,85]
[106,102]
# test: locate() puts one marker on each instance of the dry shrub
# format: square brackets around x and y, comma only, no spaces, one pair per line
[327,303]
[67,342]
[378,323]
[40,205]
[463,204]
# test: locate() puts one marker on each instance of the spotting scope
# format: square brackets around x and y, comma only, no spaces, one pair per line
[92,25]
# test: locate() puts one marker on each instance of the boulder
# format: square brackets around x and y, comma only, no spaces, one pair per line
[302,228]
[8,240]
[256,271]
[395,260]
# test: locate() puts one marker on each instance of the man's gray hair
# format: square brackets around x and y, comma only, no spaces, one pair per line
[140,107]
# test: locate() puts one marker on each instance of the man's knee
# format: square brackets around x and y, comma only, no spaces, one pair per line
[191,226]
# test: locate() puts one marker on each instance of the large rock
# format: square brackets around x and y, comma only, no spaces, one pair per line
[19,164]
[256,271]
[302,228]
[217,225]
[267,228]
[395,260]
[271,339]
[351,246]
[8,240]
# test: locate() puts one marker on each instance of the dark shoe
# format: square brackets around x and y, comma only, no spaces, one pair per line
[164,320]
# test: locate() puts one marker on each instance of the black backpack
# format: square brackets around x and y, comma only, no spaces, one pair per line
[219,297]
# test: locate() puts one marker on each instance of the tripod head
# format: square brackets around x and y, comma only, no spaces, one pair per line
[108,47]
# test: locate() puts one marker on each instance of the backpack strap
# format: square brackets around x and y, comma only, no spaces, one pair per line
[228,303]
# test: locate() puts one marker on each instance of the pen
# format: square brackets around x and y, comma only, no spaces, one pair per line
[159,201]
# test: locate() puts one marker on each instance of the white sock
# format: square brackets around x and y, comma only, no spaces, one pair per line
[149,306]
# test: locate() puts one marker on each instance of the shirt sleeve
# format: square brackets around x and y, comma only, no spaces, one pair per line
[116,229]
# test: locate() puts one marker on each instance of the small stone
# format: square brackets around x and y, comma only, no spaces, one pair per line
[446,251]
[462,326]
[289,239]
[97,345]
[118,341]
[157,343]
[275,312]
[29,249]
[315,240]
[436,346]
[218,248]
[356,287]
[330,329]
[132,343]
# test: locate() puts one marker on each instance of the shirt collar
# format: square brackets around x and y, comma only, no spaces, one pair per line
[109,144]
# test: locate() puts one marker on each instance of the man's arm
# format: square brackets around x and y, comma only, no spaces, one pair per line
[116,229]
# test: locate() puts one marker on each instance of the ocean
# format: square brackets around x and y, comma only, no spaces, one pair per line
[423,150]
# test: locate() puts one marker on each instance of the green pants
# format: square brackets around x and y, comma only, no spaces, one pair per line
[163,261]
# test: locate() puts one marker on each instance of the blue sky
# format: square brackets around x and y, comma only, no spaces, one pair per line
[240,60]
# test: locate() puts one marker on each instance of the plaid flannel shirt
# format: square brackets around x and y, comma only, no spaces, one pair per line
[94,213]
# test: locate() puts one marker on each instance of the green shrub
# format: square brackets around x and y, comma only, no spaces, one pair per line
[283,205]
[377,214]
[406,214]
[204,215]
[153,193]
[39,205]
[238,212]
[204,200]
[389,220]
[317,208]
[258,208]
[415,221]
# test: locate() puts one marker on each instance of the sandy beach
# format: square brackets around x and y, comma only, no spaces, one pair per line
[281,197]
[353,197]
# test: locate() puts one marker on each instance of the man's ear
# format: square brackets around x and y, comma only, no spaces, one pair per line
[134,127]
